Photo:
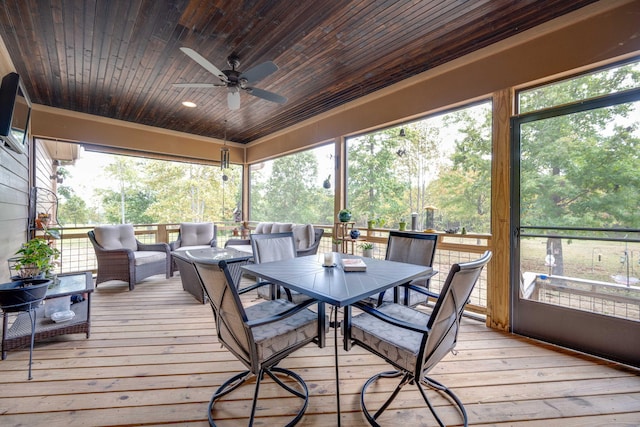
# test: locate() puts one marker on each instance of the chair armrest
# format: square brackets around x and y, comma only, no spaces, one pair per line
[283,315]
[265,283]
[160,247]
[237,242]
[421,290]
[391,320]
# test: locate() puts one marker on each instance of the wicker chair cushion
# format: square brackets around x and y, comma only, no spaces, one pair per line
[276,337]
[397,344]
[196,233]
[263,228]
[303,235]
[116,237]
[147,257]
[273,227]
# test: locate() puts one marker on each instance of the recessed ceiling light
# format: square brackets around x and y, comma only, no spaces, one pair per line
[189,104]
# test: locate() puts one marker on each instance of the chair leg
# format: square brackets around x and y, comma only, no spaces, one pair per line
[406,379]
[446,390]
[389,374]
[236,381]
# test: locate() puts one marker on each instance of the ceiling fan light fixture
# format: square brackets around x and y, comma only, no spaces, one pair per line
[233,98]
[189,104]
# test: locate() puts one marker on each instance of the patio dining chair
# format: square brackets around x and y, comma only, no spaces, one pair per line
[414,341]
[259,336]
[412,248]
[275,247]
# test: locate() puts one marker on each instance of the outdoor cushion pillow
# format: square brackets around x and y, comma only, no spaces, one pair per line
[303,235]
[196,233]
[116,237]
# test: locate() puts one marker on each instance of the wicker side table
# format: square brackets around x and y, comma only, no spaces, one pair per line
[19,333]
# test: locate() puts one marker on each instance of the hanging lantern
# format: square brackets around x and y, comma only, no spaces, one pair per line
[429,219]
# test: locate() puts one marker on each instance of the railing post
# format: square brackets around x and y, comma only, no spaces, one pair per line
[161,234]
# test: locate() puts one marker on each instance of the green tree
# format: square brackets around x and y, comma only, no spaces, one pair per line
[374,189]
[462,191]
[74,211]
[580,169]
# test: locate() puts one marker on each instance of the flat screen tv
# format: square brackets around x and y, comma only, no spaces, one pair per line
[15,111]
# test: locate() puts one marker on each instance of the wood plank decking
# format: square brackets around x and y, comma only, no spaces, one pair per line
[153,359]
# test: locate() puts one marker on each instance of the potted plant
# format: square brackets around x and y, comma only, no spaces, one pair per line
[402,224]
[370,224]
[367,249]
[336,245]
[344,215]
[35,258]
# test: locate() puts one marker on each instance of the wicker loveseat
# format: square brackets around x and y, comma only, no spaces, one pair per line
[121,256]
[307,238]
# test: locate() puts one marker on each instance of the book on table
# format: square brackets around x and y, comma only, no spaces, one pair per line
[353,264]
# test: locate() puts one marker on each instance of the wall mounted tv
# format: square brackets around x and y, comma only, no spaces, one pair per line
[15,111]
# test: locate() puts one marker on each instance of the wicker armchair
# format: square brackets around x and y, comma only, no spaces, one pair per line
[121,256]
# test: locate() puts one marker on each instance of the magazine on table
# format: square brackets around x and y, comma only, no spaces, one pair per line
[353,264]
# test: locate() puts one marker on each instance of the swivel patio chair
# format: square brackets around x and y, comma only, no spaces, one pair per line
[259,336]
[121,256]
[412,248]
[413,341]
[275,247]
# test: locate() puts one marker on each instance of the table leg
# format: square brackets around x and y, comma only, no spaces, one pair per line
[346,328]
[335,348]
[322,327]
[5,324]
[32,317]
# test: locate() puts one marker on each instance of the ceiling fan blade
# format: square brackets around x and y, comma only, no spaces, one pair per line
[204,63]
[259,72]
[265,94]
[198,84]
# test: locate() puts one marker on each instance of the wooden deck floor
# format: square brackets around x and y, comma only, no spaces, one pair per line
[153,359]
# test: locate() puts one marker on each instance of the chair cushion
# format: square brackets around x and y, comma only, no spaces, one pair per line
[196,233]
[280,227]
[263,228]
[395,343]
[146,257]
[303,235]
[273,338]
[273,227]
[116,237]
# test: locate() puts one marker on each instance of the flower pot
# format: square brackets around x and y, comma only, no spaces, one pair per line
[367,253]
[402,226]
[370,224]
[19,294]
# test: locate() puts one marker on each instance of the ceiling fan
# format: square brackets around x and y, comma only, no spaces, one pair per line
[234,80]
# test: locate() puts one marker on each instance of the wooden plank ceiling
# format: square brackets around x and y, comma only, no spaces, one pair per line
[120,58]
